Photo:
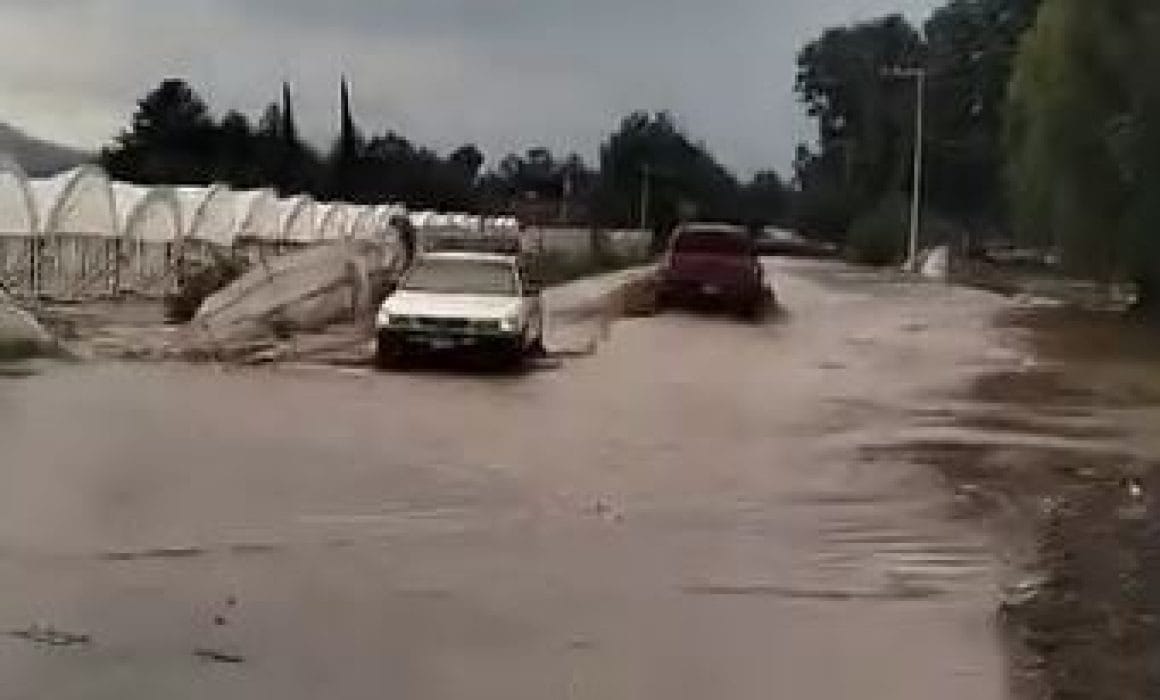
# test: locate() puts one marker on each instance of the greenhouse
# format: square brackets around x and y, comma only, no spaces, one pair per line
[332,222]
[17,223]
[149,222]
[77,234]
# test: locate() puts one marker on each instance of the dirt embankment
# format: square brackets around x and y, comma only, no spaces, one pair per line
[1066,454]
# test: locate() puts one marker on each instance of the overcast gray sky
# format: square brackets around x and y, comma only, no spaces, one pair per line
[505,74]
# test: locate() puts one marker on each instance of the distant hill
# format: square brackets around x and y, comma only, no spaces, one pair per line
[39,158]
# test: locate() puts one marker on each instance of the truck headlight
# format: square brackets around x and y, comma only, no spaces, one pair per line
[510,324]
[383,320]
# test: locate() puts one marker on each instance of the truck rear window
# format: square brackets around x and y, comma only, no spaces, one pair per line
[712,243]
[462,277]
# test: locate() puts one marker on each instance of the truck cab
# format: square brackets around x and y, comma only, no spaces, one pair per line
[476,302]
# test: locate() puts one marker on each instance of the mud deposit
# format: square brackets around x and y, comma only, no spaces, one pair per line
[1064,450]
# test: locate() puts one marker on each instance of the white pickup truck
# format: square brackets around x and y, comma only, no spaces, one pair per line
[470,301]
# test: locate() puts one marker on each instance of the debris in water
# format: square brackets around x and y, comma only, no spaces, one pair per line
[50,636]
[1023,594]
[604,509]
[154,553]
[219,657]
[581,644]
[1135,489]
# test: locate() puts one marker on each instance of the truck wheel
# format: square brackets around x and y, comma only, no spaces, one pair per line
[536,348]
[389,355]
[509,354]
[754,310]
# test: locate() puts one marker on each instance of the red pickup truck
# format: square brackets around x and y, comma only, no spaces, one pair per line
[714,263]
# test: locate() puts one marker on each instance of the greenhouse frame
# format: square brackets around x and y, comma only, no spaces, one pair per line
[78,234]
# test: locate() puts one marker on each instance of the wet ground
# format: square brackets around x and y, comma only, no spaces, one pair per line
[1088,490]
[815,507]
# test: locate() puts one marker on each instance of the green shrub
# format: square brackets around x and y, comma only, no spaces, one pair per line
[879,237]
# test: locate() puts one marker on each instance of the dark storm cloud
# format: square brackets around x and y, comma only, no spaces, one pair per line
[503,73]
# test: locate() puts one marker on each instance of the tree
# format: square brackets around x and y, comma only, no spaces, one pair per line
[349,173]
[289,130]
[1084,134]
[649,154]
[236,159]
[765,199]
[280,159]
[170,139]
[971,46]
[864,117]
[467,160]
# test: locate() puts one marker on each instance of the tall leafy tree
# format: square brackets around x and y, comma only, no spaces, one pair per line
[971,48]
[648,161]
[289,130]
[863,116]
[765,199]
[1084,129]
[237,152]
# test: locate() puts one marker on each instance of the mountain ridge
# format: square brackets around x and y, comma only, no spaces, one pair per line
[39,157]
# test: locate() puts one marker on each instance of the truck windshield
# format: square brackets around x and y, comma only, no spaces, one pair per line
[462,277]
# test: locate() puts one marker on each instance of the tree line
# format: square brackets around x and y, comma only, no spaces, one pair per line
[864,112]
[647,166]
[1043,127]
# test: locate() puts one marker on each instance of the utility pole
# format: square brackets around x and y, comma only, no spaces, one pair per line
[567,195]
[645,195]
[919,77]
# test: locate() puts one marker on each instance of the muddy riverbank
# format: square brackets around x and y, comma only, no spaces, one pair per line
[1061,455]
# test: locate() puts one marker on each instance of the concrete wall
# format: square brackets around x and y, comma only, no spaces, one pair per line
[583,244]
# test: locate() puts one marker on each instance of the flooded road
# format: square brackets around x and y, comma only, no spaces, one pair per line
[700,509]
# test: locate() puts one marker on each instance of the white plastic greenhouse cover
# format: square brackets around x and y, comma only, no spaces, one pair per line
[388,211]
[257,215]
[333,221]
[365,224]
[296,219]
[385,212]
[126,197]
[76,202]
[147,213]
[208,214]
[437,221]
[419,219]
[17,202]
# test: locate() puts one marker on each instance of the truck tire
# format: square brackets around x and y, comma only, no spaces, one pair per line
[389,355]
[535,347]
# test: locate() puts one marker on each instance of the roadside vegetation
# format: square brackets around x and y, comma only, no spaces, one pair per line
[1042,132]
[861,161]
[878,237]
[1084,133]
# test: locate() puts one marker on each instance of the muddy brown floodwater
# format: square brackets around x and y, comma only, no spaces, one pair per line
[702,508]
